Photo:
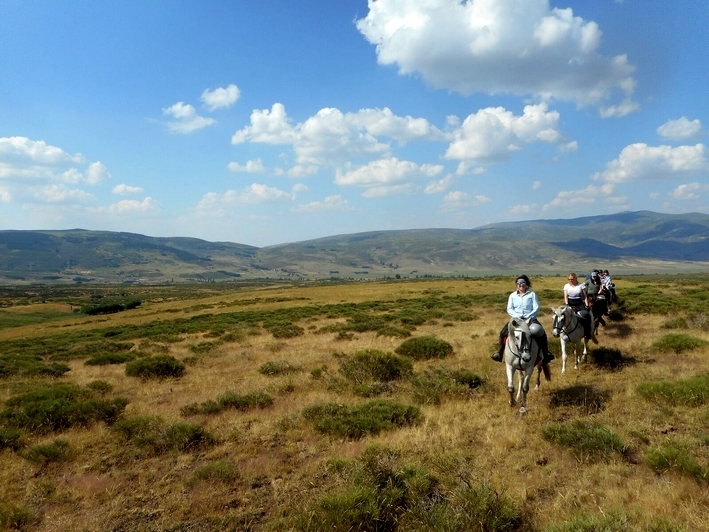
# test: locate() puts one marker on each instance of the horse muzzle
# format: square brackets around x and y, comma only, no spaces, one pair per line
[555,332]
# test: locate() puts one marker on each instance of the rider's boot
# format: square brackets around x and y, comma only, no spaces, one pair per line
[544,348]
[497,356]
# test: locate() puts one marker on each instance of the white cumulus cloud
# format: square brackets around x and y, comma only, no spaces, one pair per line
[146,206]
[435,187]
[640,162]
[569,199]
[60,193]
[494,133]
[254,166]
[690,191]
[186,119]
[220,98]
[521,47]
[330,203]
[124,189]
[215,204]
[386,172]
[331,137]
[681,129]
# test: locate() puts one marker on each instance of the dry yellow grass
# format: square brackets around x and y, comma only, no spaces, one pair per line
[282,462]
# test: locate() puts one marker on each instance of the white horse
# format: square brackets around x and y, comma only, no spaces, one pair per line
[521,355]
[567,326]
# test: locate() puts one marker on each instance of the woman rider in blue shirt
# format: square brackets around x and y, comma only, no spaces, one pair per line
[523,303]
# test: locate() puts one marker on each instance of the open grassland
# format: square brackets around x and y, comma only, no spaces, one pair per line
[360,406]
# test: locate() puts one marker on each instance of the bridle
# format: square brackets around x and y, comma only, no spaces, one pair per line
[559,323]
[522,344]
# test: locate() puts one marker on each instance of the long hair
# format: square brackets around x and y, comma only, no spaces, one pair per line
[525,279]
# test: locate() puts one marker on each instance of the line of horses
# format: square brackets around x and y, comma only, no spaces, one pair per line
[522,354]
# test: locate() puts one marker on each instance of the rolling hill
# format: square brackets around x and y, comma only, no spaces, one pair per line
[628,242]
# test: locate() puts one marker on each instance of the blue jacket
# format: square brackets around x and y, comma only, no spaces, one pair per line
[523,306]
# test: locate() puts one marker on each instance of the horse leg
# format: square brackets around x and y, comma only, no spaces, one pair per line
[585,349]
[563,356]
[510,383]
[524,388]
[539,378]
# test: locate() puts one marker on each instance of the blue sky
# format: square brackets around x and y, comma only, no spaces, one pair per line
[280,121]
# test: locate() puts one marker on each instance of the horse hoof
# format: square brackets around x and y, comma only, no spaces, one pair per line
[522,412]
[536,388]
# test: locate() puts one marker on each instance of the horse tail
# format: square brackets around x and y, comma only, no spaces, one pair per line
[547,371]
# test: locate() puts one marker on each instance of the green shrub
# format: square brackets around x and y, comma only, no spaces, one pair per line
[277,367]
[284,330]
[59,407]
[150,434]
[425,348]
[372,364]
[431,386]
[156,367]
[692,392]
[16,517]
[614,520]
[11,438]
[109,358]
[673,457]
[100,387]
[229,400]
[357,421]
[393,332]
[56,451]
[586,440]
[678,343]
[675,323]
[387,495]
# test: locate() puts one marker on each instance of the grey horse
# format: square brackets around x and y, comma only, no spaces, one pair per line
[521,355]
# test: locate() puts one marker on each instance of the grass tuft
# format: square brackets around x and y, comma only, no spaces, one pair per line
[588,441]
[691,392]
[678,343]
[673,457]
[373,364]
[156,367]
[355,422]
[431,386]
[425,348]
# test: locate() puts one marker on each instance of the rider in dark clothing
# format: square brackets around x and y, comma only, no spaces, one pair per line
[576,297]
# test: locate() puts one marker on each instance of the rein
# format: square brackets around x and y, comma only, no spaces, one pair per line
[563,329]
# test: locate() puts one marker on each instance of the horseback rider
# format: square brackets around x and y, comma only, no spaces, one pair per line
[597,294]
[576,296]
[523,303]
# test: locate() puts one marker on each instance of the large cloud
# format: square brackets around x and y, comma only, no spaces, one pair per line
[640,162]
[215,204]
[591,195]
[332,137]
[386,173]
[494,133]
[520,47]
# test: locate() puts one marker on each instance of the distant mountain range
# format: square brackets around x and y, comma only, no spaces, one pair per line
[628,242]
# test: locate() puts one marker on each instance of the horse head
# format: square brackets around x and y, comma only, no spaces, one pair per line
[519,331]
[561,316]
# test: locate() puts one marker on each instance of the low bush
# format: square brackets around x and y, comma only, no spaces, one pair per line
[373,364]
[11,438]
[357,421]
[109,358]
[431,386]
[425,348]
[675,323]
[16,517]
[156,367]
[277,367]
[100,387]
[229,400]
[588,441]
[59,407]
[673,457]
[614,520]
[387,495]
[151,434]
[678,343]
[691,392]
[56,451]
[284,330]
